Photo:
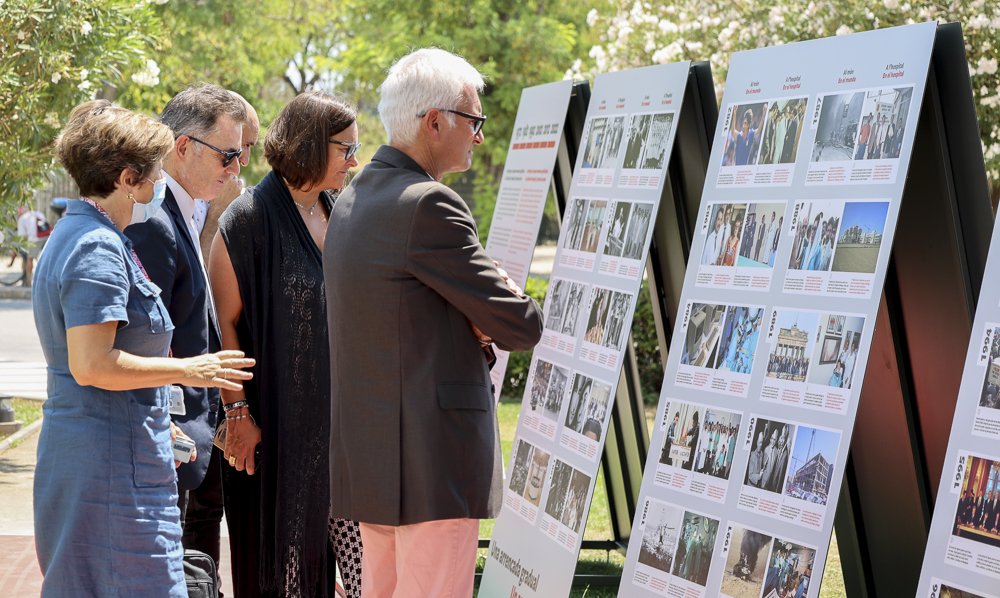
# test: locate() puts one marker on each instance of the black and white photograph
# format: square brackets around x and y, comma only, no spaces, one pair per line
[615,242]
[835,352]
[604,140]
[647,147]
[695,547]
[789,570]
[746,563]
[615,331]
[548,387]
[762,228]
[567,496]
[660,530]
[722,245]
[740,334]
[701,336]
[780,142]
[519,470]
[719,432]
[683,429]
[538,465]
[815,236]
[990,395]
[638,228]
[576,214]
[562,305]
[587,412]
[742,140]
[811,471]
[792,345]
[769,455]
[977,516]
[597,318]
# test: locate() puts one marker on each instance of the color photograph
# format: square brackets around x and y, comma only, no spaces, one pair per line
[860,237]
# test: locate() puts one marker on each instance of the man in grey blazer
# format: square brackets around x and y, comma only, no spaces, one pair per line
[414,305]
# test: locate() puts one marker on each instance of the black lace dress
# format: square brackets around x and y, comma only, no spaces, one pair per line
[281,534]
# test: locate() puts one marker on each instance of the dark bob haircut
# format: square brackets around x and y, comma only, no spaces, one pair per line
[297,144]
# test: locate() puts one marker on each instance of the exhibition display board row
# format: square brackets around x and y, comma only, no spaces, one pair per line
[603,244]
[777,315]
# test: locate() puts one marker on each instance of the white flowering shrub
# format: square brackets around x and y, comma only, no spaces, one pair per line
[637,33]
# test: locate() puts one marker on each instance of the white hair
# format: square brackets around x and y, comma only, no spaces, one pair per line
[423,79]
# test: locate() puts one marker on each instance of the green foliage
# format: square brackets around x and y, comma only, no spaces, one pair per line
[53,55]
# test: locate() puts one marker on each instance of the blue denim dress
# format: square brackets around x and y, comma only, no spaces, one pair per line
[106,516]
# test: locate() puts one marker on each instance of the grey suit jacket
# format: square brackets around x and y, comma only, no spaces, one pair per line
[413,433]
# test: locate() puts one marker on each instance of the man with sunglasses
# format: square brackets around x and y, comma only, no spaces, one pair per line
[207,125]
[414,305]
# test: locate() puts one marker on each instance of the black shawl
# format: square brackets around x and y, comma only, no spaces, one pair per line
[280,274]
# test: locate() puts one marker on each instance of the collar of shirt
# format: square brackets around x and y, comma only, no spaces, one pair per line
[184,200]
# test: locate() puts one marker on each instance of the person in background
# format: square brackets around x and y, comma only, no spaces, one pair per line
[267,274]
[31,225]
[105,491]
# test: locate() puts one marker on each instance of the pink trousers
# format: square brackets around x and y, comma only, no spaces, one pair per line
[435,558]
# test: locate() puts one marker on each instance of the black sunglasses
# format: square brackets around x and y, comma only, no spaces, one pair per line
[351,149]
[477,120]
[227,155]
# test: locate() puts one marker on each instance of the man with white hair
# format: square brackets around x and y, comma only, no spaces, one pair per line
[414,306]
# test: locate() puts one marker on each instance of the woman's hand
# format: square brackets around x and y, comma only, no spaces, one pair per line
[175,431]
[217,370]
[242,437]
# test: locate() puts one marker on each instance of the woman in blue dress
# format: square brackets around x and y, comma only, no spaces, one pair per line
[105,492]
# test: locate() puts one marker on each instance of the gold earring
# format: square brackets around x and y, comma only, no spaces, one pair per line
[131,197]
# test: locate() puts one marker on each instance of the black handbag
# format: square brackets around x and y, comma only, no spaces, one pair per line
[200,575]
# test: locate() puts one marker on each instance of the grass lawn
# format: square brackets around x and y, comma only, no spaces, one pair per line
[599,527]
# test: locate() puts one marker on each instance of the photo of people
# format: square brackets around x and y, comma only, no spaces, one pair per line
[746,563]
[719,431]
[562,305]
[600,303]
[780,143]
[588,407]
[592,224]
[793,345]
[519,471]
[615,242]
[789,570]
[761,233]
[615,329]
[740,333]
[835,353]
[695,547]
[742,139]
[947,591]
[990,396]
[977,517]
[647,148]
[704,327]
[575,219]
[811,472]
[660,531]
[681,439]
[769,455]
[815,236]
[722,245]
[860,237]
[638,227]
[604,140]
[862,125]
[548,387]
[528,472]
[567,497]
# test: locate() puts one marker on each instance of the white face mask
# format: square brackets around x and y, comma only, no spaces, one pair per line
[141,212]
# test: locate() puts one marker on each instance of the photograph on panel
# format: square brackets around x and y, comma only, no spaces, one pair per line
[528,472]
[815,235]
[792,345]
[835,354]
[719,431]
[768,461]
[780,143]
[695,548]
[702,334]
[990,395]
[562,305]
[589,404]
[789,570]
[593,221]
[738,341]
[661,526]
[614,245]
[576,214]
[722,245]
[603,142]
[519,471]
[761,234]
[548,387]
[862,125]
[681,439]
[638,227]
[742,139]
[567,495]
[950,590]
[647,147]
[860,239]
[597,315]
[615,332]
[977,516]
[812,462]
[746,563]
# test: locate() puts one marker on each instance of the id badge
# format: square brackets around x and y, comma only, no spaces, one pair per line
[177,406]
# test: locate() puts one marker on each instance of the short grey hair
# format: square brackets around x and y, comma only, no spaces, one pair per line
[196,110]
[423,79]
